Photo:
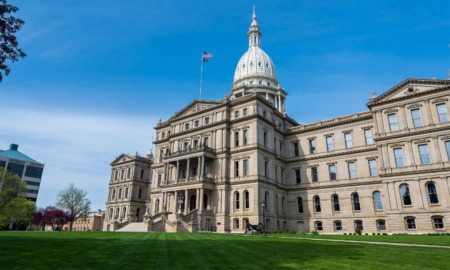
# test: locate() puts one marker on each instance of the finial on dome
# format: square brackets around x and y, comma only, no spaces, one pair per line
[254,13]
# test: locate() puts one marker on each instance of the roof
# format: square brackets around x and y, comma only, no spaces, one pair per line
[13,153]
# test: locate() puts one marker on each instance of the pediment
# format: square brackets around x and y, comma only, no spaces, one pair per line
[408,88]
[194,107]
[122,159]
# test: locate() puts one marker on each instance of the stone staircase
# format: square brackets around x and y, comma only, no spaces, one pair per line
[134,227]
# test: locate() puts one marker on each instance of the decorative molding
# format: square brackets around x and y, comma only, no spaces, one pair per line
[390,111]
[439,100]
[396,145]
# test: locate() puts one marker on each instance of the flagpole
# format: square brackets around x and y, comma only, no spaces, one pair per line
[201,76]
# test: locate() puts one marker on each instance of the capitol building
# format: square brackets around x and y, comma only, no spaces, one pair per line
[220,165]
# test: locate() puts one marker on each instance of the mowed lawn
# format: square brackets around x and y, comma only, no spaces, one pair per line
[108,250]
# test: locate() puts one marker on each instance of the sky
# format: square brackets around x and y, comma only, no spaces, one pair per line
[100,74]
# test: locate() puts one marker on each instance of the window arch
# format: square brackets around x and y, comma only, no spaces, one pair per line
[355,200]
[317,208]
[432,193]
[335,203]
[236,200]
[247,199]
[157,206]
[378,204]
[299,205]
[404,192]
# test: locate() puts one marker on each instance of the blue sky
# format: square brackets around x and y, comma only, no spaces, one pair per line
[99,74]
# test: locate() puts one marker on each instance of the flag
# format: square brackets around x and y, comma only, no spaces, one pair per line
[206,56]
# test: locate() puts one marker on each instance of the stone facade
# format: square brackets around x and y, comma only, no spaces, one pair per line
[93,222]
[220,165]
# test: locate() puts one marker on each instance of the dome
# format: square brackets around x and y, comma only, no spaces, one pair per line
[255,64]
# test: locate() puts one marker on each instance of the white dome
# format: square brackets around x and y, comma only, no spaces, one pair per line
[255,64]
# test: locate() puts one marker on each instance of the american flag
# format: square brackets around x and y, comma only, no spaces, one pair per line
[206,56]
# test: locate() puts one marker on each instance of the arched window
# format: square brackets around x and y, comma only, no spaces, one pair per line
[404,192]
[335,202]
[126,193]
[356,204]
[120,193]
[110,213]
[157,206]
[317,208]
[124,212]
[236,200]
[283,205]
[300,205]
[432,193]
[116,215]
[247,199]
[377,200]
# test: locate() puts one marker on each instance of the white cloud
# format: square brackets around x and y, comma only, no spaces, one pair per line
[75,147]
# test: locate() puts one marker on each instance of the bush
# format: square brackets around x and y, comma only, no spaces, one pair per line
[358,231]
[315,232]
[345,233]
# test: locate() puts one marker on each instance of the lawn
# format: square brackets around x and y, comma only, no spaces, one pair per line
[107,250]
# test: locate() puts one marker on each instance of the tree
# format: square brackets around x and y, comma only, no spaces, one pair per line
[9,46]
[18,212]
[51,216]
[11,186]
[75,201]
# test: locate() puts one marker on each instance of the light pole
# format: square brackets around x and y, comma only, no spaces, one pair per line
[180,202]
[263,204]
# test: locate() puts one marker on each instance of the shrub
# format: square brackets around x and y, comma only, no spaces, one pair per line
[315,232]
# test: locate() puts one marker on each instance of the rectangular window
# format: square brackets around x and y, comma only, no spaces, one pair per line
[314,175]
[245,137]
[16,168]
[196,123]
[352,170]
[186,126]
[393,123]
[424,156]
[410,223]
[373,167]
[206,141]
[236,139]
[338,226]
[381,225]
[319,226]
[298,178]
[416,117]
[236,169]
[276,172]
[245,112]
[348,140]
[185,145]
[332,169]
[195,143]
[312,146]
[442,112]
[398,155]
[265,138]
[330,143]
[438,223]
[236,114]
[369,136]
[206,120]
[35,172]
[296,149]
[266,169]
[447,146]
[245,167]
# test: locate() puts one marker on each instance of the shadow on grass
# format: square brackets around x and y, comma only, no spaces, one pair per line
[93,250]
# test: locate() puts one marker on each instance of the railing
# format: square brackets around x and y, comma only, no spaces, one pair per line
[190,216]
[192,179]
[190,150]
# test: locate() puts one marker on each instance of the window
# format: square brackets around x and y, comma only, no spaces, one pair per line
[330,143]
[373,167]
[196,123]
[236,223]
[236,139]
[159,179]
[424,156]
[236,168]
[410,223]
[335,203]
[266,168]
[126,193]
[319,226]
[369,136]
[314,175]
[438,223]
[356,204]
[381,225]
[245,167]
[264,113]
[206,141]
[332,170]
[442,112]
[377,201]
[352,170]
[119,195]
[32,171]
[245,112]
[140,193]
[142,174]
[185,145]
[296,150]
[16,168]
[404,192]
[298,178]
[236,114]
[116,174]
[337,225]
[312,146]
[186,126]
[122,174]
[247,199]
[195,143]
[236,200]
[393,123]
[265,138]
[398,155]
[348,140]
[416,117]
[317,204]
[359,225]
[206,120]
[432,193]
[447,146]
[245,137]
[114,194]
[299,205]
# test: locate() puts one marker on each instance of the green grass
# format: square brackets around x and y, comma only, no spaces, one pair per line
[439,240]
[103,250]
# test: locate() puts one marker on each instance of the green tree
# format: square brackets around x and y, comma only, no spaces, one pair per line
[9,46]
[11,187]
[74,201]
[18,212]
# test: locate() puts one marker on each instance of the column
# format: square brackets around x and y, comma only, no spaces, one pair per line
[198,198]
[199,168]
[203,167]
[438,150]
[411,154]
[220,145]
[379,116]
[386,159]
[428,109]
[177,173]
[405,125]
[186,206]
[188,170]
[201,200]
[176,202]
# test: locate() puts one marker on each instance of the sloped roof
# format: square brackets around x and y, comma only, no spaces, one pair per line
[14,154]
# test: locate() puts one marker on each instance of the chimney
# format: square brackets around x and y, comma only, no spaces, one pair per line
[13,147]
